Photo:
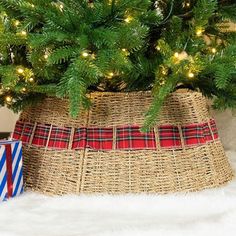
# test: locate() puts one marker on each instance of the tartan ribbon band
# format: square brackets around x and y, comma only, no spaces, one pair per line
[118,138]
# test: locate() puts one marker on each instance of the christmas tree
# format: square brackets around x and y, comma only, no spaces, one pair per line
[69,48]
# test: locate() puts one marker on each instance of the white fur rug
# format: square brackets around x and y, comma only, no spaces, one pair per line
[211,212]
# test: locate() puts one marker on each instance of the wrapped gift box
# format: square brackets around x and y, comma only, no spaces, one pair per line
[11,171]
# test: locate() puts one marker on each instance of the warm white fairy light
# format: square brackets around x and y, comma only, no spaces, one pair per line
[213,50]
[111,74]
[164,71]
[16,22]
[20,70]
[23,33]
[187,4]
[46,56]
[31,80]
[8,99]
[190,75]
[199,32]
[128,19]
[23,90]
[85,54]
[176,55]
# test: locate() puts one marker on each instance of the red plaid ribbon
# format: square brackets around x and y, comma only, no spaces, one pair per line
[41,135]
[169,136]
[59,138]
[124,138]
[130,137]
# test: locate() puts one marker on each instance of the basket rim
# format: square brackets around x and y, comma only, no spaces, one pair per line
[178,92]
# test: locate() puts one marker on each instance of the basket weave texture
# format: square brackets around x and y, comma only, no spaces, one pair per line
[160,170]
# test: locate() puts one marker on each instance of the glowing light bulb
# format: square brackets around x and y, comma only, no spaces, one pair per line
[190,75]
[8,99]
[128,19]
[213,50]
[176,55]
[32,5]
[164,71]
[111,74]
[158,48]
[46,56]
[23,90]
[16,23]
[199,32]
[124,50]
[23,33]
[31,80]
[61,7]
[20,70]
[85,54]
[187,4]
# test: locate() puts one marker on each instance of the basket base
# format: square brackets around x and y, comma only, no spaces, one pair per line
[118,172]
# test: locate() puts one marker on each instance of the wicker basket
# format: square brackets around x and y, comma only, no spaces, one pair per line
[182,153]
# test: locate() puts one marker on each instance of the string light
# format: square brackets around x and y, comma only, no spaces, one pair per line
[23,90]
[32,5]
[213,50]
[199,32]
[125,51]
[31,80]
[16,23]
[20,70]
[158,48]
[8,99]
[186,4]
[190,75]
[111,74]
[23,33]
[176,55]
[128,19]
[58,5]
[85,54]
[164,71]
[46,53]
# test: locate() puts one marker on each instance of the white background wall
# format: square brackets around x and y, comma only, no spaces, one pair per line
[7,120]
